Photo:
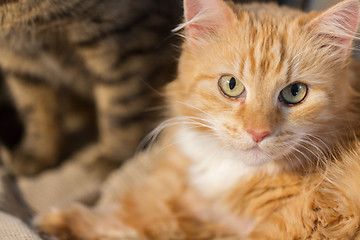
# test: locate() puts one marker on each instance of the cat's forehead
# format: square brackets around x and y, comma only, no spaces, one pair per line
[269,22]
[269,38]
[265,13]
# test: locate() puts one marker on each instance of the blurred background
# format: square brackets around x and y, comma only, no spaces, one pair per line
[308,5]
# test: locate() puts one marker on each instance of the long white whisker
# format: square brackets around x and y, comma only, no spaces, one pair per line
[193,107]
[171,122]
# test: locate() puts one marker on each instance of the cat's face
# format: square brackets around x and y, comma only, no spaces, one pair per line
[261,86]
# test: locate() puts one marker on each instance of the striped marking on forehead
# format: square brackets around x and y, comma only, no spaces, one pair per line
[267,54]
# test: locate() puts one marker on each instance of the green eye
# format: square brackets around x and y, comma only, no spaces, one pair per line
[294,93]
[230,86]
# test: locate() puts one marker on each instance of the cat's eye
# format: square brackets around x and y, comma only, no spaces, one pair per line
[230,86]
[294,93]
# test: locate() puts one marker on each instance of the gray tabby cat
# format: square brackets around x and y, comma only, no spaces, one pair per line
[109,51]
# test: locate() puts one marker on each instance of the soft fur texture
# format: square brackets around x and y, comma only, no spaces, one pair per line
[110,55]
[209,176]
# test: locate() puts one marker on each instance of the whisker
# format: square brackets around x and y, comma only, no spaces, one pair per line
[151,137]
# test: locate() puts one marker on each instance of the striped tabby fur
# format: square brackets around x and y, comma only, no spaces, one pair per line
[109,51]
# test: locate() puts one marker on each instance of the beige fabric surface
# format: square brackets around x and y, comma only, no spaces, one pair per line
[14,213]
[11,200]
[12,228]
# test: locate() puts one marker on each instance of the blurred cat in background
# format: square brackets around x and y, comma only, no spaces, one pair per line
[114,53]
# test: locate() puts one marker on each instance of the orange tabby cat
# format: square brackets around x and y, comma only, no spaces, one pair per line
[261,139]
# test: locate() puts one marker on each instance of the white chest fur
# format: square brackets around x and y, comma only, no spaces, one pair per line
[214,170]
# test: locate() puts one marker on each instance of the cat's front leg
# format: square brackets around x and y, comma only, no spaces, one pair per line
[142,200]
[81,223]
[37,105]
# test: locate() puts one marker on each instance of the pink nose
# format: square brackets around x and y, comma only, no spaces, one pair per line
[258,136]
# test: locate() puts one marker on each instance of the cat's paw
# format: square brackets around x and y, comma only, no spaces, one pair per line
[54,223]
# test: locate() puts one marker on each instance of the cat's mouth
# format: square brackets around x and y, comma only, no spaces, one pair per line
[256,155]
[255,148]
[257,151]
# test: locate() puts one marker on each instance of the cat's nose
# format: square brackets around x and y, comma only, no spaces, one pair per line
[258,135]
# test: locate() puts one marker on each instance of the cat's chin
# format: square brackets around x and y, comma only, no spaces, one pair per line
[254,156]
[250,154]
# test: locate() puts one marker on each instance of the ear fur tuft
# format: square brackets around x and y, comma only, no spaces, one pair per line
[204,17]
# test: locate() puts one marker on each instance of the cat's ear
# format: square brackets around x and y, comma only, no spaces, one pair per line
[204,17]
[338,25]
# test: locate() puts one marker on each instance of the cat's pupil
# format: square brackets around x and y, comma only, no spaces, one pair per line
[294,90]
[232,83]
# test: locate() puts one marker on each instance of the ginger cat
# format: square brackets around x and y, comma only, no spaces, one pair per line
[261,140]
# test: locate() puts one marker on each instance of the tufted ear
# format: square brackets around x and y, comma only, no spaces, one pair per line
[204,17]
[338,25]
